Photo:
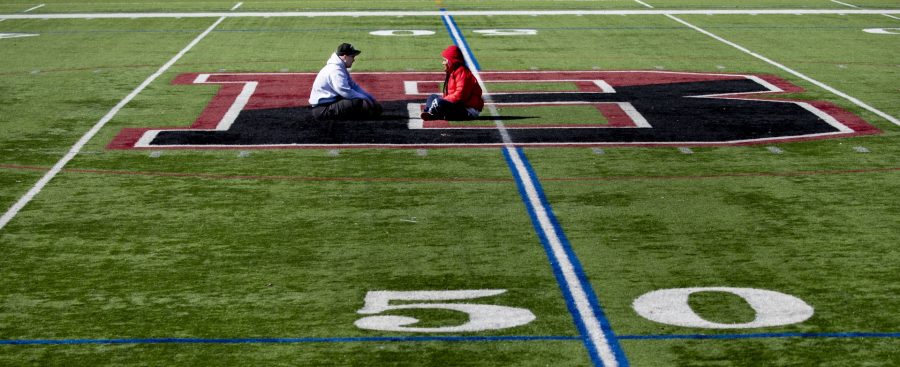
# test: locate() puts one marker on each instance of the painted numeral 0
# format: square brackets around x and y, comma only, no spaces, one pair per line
[481,317]
[670,306]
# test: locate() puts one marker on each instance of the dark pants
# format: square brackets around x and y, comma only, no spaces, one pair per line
[346,109]
[443,109]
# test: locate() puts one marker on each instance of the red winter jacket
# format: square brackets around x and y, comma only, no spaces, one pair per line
[460,86]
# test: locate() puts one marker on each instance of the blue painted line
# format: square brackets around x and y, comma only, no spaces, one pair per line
[611,337]
[584,306]
[760,336]
[450,24]
[289,340]
[554,263]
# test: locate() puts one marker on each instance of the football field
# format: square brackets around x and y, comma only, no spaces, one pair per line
[651,183]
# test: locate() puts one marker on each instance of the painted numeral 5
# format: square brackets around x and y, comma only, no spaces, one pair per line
[481,317]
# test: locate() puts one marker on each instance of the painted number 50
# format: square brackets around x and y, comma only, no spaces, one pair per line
[481,317]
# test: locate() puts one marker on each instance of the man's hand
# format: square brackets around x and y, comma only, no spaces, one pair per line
[372,106]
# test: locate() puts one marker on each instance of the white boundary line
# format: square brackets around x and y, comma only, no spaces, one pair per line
[34,8]
[454,13]
[855,101]
[36,189]
[236,6]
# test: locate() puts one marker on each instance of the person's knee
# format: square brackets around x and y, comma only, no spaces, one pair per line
[377,109]
[368,108]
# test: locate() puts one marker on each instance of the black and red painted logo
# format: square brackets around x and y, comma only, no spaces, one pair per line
[645,108]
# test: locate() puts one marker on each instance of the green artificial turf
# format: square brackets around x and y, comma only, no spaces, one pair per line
[231,244]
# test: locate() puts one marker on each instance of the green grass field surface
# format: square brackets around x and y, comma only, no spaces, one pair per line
[867,73]
[286,243]
[201,269]
[771,4]
[16,6]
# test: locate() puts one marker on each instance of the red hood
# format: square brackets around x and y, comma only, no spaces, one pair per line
[454,57]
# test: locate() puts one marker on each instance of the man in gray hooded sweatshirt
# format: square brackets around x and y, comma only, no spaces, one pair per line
[335,96]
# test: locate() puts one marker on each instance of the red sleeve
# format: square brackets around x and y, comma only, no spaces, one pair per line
[460,86]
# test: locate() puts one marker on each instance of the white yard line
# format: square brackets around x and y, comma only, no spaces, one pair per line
[858,7]
[644,4]
[583,304]
[34,8]
[36,189]
[504,134]
[454,13]
[579,295]
[236,6]
[855,101]
[845,4]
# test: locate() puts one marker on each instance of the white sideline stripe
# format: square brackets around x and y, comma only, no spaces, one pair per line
[36,189]
[845,4]
[455,13]
[34,8]
[891,16]
[579,296]
[238,5]
[855,101]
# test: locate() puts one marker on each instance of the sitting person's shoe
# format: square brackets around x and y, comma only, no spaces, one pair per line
[427,116]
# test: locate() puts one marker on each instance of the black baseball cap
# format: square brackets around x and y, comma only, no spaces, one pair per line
[347,49]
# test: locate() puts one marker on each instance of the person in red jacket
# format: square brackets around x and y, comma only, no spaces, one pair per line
[461,97]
